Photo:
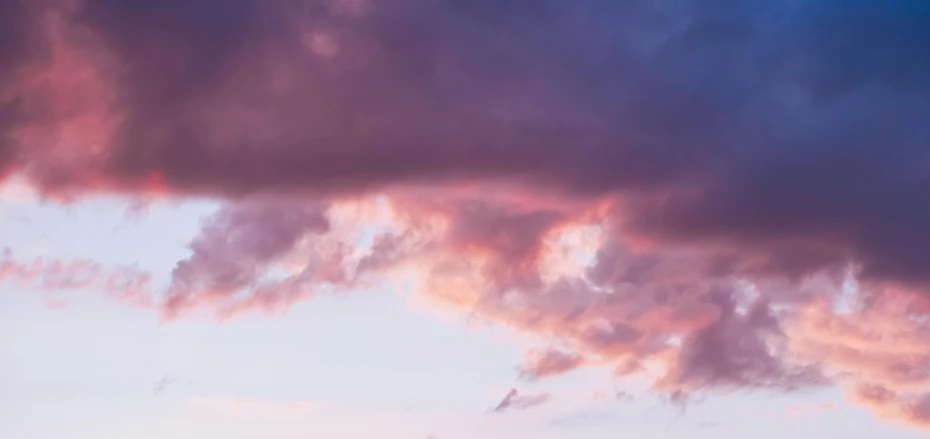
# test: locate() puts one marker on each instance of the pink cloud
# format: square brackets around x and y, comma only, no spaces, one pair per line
[549,362]
[878,350]
[124,284]
[908,408]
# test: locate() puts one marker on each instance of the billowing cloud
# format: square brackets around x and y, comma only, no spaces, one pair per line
[878,348]
[237,248]
[712,194]
[740,351]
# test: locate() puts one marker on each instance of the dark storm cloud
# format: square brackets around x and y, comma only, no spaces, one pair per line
[581,96]
[14,51]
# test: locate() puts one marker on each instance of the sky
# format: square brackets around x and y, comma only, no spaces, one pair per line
[458,219]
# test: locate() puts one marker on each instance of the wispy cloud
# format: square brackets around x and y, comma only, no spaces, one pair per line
[162,385]
[514,401]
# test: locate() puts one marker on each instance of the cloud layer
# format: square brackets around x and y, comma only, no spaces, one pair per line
[709,193]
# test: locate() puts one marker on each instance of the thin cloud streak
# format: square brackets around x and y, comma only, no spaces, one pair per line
[513,401]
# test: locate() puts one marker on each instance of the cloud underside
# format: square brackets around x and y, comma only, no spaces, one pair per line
[720,195]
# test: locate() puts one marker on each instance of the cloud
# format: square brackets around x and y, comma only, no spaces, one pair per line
[742,163]
[912,409]
[739,351]
[125,284]
[163,384]
[549,362]
[236,248]
[514,401]
[879,350]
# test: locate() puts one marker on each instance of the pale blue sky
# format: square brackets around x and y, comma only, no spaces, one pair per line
[367,363]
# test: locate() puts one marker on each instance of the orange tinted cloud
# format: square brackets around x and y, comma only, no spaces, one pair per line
[878,349]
